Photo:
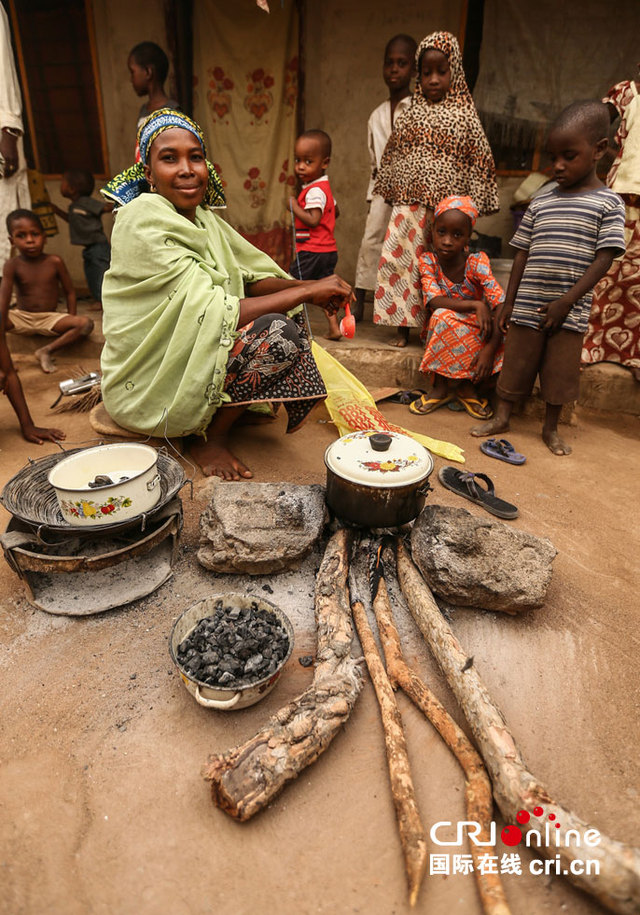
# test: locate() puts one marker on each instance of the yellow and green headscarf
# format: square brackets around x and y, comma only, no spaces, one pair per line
[130,183]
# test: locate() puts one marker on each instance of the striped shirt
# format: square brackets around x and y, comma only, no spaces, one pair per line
[562,233]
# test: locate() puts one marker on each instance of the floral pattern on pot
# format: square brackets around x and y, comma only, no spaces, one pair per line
[94,511]
[389,466]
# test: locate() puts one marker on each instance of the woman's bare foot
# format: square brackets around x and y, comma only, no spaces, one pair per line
[490,427]
[44,358]
[216,460]
[402,339]
[554,443]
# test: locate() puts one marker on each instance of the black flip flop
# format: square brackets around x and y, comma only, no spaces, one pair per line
[406,397]
[464,484]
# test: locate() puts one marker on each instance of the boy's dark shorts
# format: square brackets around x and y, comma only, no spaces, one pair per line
[555,357]
[314,265]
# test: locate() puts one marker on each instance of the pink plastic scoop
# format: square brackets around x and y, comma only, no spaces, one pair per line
[348,323]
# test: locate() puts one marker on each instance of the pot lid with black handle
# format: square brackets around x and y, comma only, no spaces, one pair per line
[378,459]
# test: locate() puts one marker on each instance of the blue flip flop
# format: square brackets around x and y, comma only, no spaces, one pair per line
[503,450]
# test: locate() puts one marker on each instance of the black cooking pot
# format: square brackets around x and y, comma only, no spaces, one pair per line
[377,479]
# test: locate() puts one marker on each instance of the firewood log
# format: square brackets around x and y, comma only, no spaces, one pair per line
[412,834]
[478,797]
[617,883]
[245,779]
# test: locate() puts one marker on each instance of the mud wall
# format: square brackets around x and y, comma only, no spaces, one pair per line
[344,44]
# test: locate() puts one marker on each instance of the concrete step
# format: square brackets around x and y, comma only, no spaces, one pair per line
[377,364]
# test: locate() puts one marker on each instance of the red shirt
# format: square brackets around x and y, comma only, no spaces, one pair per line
[321,237]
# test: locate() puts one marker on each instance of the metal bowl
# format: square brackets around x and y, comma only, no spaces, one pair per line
[225,698]
[30,497]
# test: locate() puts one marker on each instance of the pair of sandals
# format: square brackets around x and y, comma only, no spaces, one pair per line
[477,407]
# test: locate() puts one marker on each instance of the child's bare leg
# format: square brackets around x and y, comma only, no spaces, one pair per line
[402,339]
[213,455]
[357,309]
[10,384]
[334,328]
[550,431]
[70,328]
[498,423]
[441,386]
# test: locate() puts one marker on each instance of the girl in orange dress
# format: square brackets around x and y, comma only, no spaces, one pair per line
[463,341]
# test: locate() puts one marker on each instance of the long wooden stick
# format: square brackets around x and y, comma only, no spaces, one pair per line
[412,834]
[616,884]
[245,779]
[478,797]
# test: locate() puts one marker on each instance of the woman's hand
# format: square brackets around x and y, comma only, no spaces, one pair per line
[330,293]
[9,152]
[483,314]
[483,364]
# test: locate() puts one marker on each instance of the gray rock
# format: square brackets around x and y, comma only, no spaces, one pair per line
[481,563]
[258,528]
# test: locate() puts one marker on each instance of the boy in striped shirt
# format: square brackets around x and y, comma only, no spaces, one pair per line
[566,242]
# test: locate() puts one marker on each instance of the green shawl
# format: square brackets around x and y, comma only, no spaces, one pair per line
[171,307]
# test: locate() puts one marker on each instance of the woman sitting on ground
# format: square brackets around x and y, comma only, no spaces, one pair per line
[199,324]
[464,343]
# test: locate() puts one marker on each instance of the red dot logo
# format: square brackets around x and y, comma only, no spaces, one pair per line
[538,811]
[511,835]
[523,816]
[552,816]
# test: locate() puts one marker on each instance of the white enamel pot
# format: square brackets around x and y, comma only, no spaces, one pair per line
[377,479]
[125,484]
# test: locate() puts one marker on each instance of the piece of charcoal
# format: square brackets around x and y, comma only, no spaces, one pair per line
[253,663]
[306,660]
[226,678]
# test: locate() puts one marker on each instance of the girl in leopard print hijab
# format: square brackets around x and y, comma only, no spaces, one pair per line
[437,148]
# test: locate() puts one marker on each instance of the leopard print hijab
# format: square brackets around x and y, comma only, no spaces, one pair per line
[439,148]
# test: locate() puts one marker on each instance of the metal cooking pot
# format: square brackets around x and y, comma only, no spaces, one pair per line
[224,698]
[377,479]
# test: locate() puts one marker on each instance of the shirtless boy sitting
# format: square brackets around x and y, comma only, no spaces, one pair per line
[37,278]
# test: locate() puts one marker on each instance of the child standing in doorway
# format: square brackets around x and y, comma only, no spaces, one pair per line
[397,70]
[38,277]
[315,212]
[566,242]
[436,149]
[85,226]
[149,67]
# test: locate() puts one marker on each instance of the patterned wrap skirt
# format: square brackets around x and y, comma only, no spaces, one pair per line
[272,361]
[398,297]
[614,324]
[453,345]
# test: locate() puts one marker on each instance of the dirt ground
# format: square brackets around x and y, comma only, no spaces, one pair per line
[102,805]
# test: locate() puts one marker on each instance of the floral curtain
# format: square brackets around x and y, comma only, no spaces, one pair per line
[245,95]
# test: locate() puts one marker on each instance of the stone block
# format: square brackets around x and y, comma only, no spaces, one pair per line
[481,563]
[260,528]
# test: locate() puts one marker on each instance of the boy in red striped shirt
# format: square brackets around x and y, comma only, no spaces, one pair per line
[315,212]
